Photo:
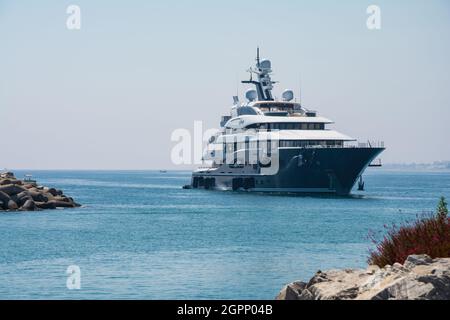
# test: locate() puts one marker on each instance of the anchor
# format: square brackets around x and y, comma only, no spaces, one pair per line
[360,184]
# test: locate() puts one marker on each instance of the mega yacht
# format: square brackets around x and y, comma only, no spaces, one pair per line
[278,145]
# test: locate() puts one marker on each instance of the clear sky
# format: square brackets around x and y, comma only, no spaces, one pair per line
[108,96]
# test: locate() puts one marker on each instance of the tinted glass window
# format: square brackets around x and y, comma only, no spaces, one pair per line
[243,111]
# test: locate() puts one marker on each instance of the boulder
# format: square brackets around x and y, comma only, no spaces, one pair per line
[292,291]
[5,199]
[29,205]
[37,196]
[21,198]
[65,199]
[11,189]
[417,260]
[52,191]
[49,196]
[419,278]
[45,205]
[4,182]
[12,205]
[7,175]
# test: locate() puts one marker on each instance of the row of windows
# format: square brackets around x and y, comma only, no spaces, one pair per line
[306,143]
[231,147]
[287,126]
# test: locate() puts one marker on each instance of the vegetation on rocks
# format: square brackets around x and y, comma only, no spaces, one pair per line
[427,235]
[412,262]
[22,195]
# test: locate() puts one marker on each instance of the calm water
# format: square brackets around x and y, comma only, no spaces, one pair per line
[139,235]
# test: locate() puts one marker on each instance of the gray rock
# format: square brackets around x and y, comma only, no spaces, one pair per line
[416,260]
[21,198]
[37,196]
[4,198]
[45,205]
[12,205]
[4,182]
[420,278]
[7,175]
[29,205]
[11,189]
[291,291]
[52,191]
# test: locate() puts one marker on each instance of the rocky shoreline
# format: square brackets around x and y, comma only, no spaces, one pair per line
[419,278]
[23,195]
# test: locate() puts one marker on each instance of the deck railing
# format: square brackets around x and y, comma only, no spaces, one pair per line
[371,144]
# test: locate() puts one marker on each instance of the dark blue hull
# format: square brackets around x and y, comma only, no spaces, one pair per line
[305,170]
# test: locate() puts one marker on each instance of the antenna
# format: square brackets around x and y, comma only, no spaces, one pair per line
[257,56]
[237,84]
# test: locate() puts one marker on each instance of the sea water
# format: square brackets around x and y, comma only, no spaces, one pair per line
[139,235]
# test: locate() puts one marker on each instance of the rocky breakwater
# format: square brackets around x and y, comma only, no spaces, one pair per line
[22,195]
[419,278]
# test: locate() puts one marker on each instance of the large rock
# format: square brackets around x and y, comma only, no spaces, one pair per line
[4,198]
[420,278]
[21,198]
[12,189]
[52,191]
[4,182]
[7,175]
[45,205]
[37,196]
[62,204]
[29,205]
[12,205]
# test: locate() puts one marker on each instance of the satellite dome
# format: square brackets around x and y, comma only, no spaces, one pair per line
[287,95]
[265,65]
[251,95]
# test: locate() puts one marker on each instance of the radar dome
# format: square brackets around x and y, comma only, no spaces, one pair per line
[287,95]
[265,65]
[251,95]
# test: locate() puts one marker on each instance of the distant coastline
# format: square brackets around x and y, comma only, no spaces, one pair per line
[434,166]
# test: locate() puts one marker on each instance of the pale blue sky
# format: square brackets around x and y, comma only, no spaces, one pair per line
[109,95]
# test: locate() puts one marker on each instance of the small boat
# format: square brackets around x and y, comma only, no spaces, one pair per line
[163,171]
[28,179]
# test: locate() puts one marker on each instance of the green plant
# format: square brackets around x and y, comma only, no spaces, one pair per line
[442,210]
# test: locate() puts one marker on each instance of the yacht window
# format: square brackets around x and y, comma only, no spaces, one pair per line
[287,126]
[246,111]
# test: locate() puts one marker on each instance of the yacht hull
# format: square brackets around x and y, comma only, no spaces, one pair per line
[300,170]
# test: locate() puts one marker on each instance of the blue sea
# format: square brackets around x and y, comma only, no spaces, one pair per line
[139,235]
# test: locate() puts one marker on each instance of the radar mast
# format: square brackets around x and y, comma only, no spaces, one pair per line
[264,84]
